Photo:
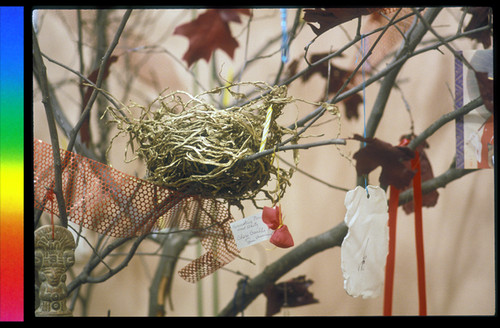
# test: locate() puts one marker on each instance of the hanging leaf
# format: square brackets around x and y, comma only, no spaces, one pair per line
[428,199]
[480,18]
[338,76]
[380,153]
[328,18]
[210,31]
[291,293]
[351,106]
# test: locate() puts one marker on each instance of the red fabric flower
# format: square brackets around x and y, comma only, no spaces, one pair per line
[272,217]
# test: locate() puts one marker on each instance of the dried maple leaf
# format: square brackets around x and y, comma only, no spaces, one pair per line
[380,153]
[291,293]
[210,31]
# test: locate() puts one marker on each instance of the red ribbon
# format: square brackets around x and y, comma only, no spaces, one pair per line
[419,234]
[272,217]
[419,240]
[389,265]
[50,197]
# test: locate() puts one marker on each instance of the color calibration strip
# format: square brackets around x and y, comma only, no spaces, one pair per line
[11,163]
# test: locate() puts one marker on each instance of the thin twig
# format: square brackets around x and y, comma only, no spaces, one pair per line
[83,277]
[436,125]
[315,115]
[87,81]
[99,80]
[415,36]
[382,73]
[294,146]
[446,44]
[312,176]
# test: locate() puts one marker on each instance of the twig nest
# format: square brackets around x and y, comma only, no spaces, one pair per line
[189,145]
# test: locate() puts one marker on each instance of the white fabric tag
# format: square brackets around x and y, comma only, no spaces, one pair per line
[365,247]
[250,231]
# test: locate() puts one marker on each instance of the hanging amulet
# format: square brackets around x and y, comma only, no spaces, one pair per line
[54,255]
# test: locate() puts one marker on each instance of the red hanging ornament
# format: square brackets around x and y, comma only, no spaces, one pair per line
[273,218]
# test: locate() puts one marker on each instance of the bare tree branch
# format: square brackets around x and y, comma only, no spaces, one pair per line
[160,287]
[443,120]
[297,146]
[39,67]
[300,253]
[314,245]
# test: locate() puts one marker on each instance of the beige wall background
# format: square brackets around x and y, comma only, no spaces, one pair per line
[459,232]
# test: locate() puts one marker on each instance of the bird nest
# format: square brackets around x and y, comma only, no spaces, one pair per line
[191,146]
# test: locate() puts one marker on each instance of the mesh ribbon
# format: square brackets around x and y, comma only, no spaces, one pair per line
[107,201]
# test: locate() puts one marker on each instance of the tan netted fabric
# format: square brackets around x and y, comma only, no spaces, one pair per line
[107,201]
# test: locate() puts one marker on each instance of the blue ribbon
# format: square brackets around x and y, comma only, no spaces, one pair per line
[362,50]
[284,37]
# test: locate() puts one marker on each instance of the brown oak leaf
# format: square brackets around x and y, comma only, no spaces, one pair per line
[429,199]
[380,153]
[294,292]
[480,18]
[328,18]
[351,106]
[337,78]
[210,31]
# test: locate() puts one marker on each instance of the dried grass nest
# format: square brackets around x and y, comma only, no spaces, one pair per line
[189,145]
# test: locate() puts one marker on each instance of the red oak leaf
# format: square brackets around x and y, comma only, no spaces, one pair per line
[380,153]
[85,127]
[428,199]
[291,293]
[210,31]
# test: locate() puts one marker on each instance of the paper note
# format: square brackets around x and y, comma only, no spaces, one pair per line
[250,231]
[365,247]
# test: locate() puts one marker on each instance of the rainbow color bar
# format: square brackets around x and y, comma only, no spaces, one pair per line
[11,163]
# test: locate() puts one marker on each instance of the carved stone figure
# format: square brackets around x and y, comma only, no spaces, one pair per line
[54,255]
